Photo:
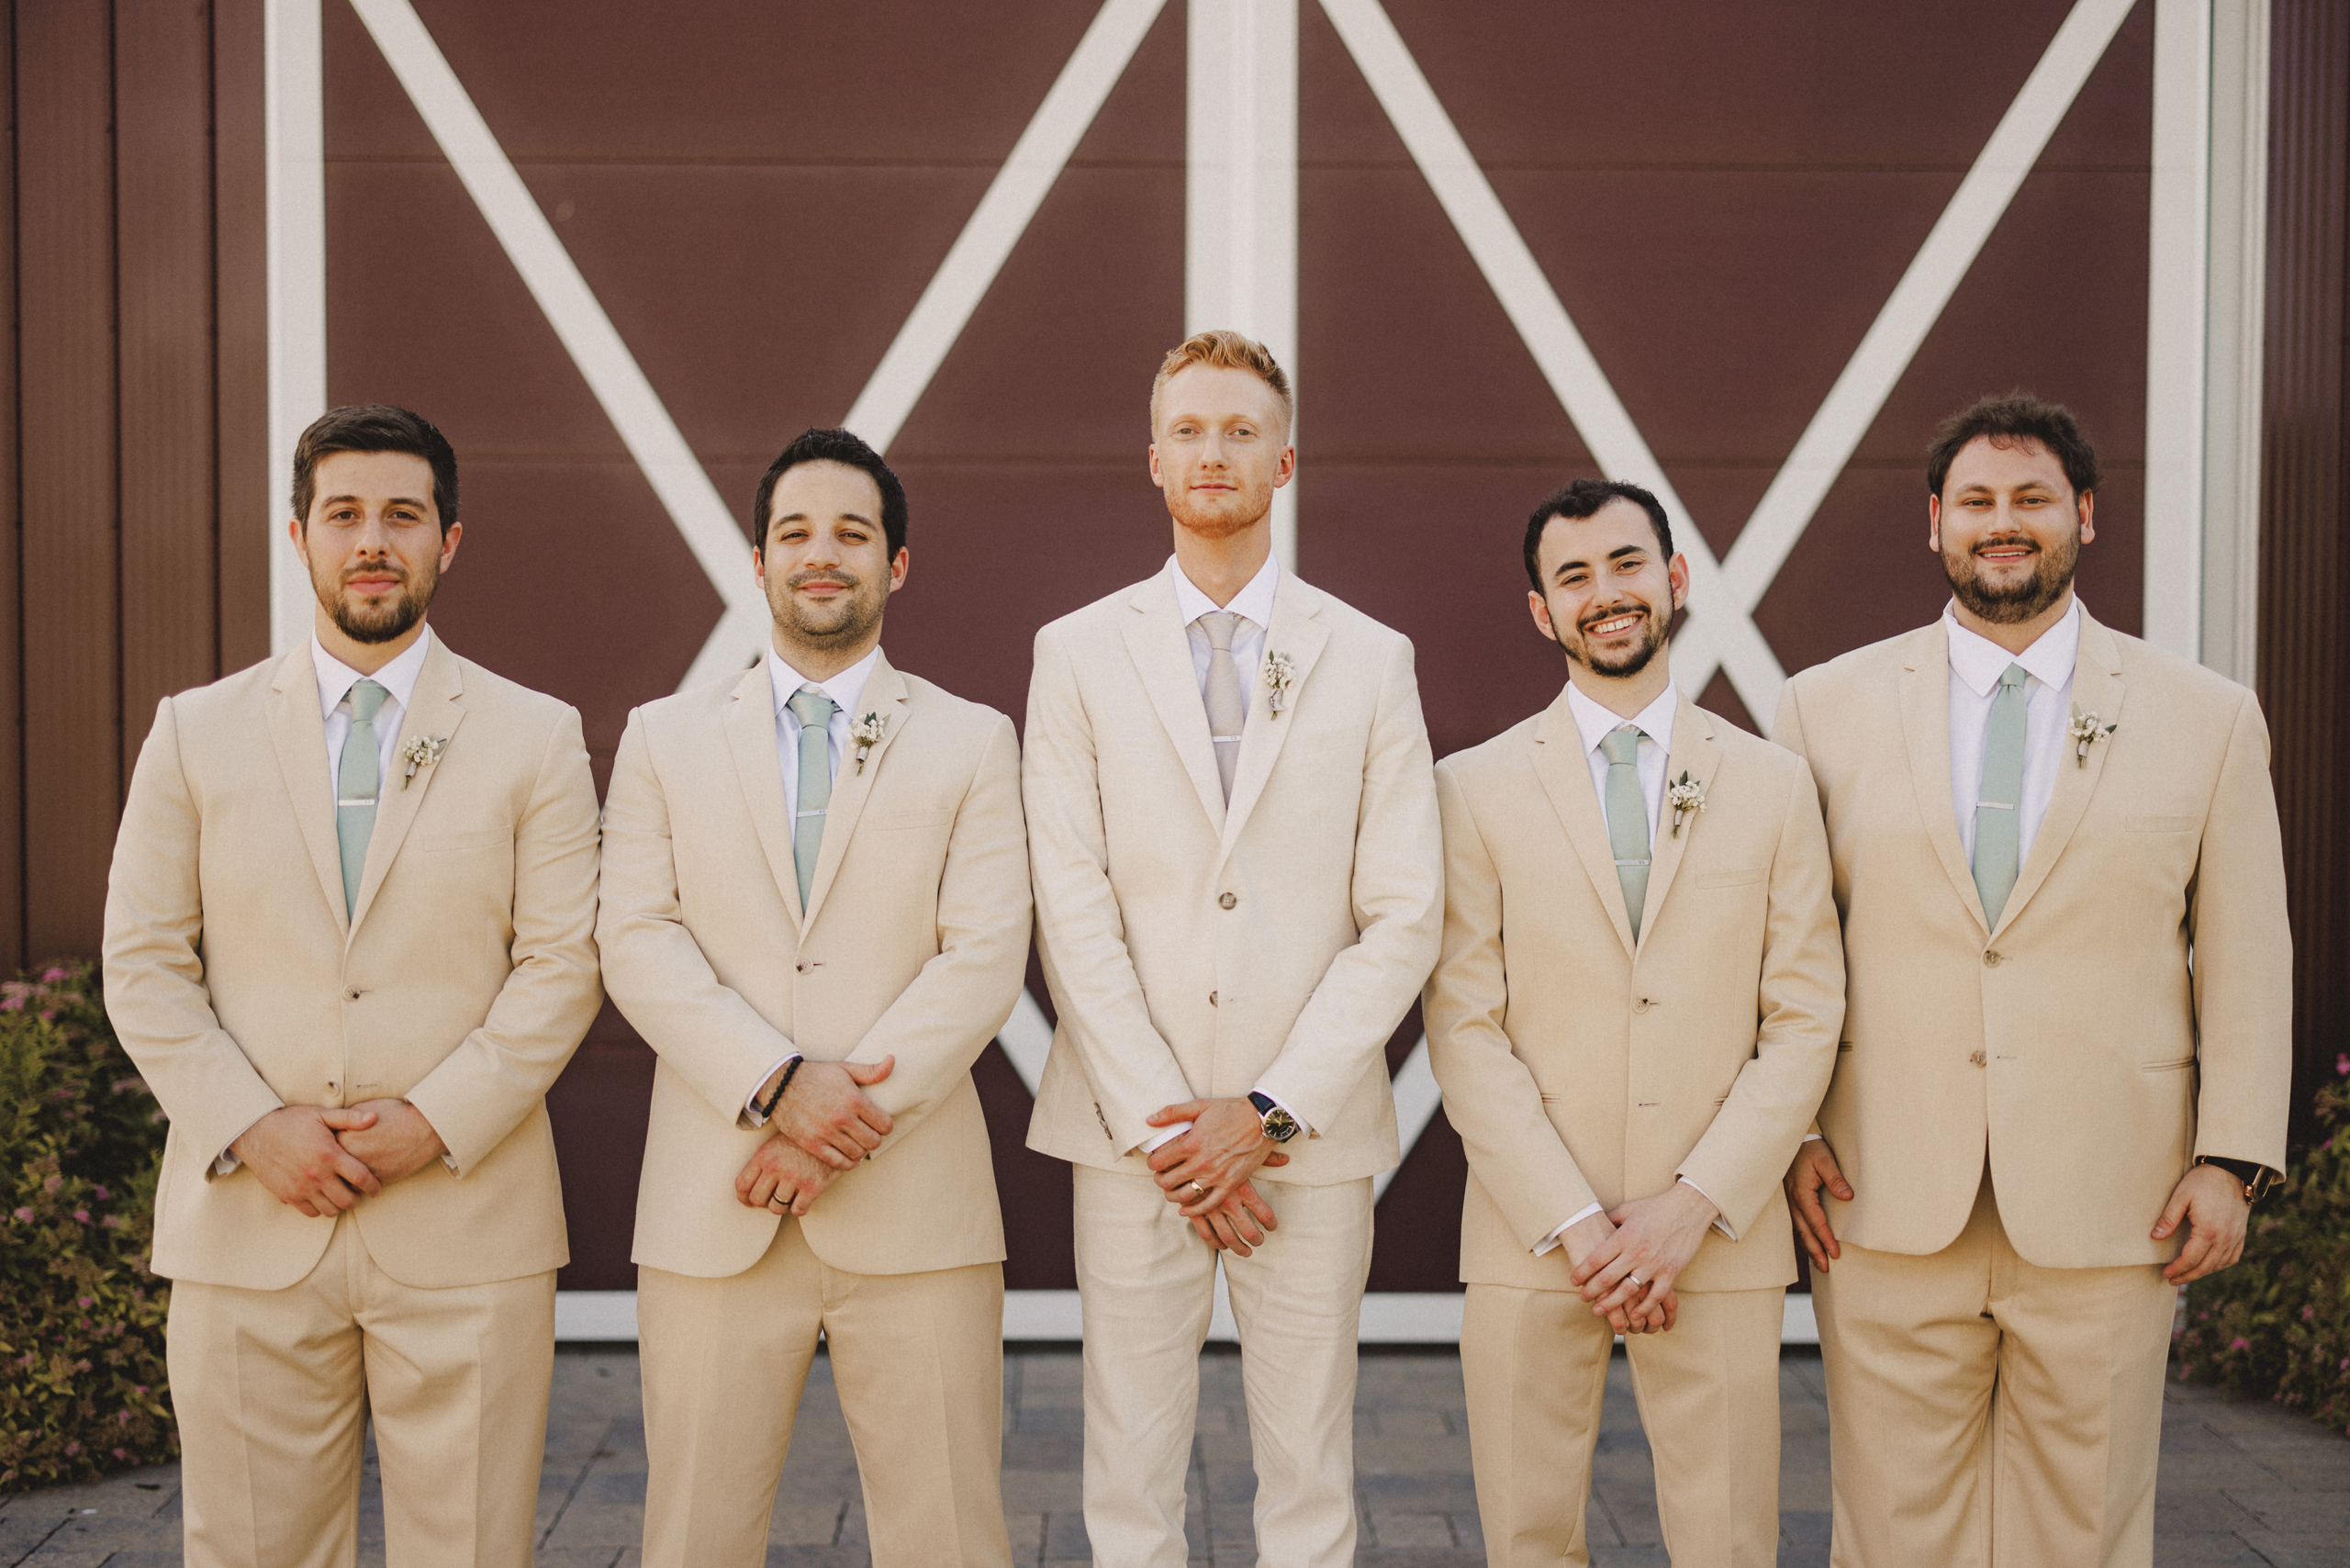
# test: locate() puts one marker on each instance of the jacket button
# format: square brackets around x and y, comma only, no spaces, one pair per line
[1976,1059]
[1640,1004]
[1211,999]
[1991,959]
[352,995]
[1226,902]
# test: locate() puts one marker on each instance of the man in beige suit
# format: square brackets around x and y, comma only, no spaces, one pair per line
[1633,1021]
[349,942]
[2065,1063]
[815,909]
[1238,888]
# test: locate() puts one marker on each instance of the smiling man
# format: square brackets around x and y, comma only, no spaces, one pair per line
[2067,1057]
[815,910]
[1633,1019]
[349,943]
[1238,887]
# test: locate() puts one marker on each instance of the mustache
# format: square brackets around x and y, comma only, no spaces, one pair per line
[393,569]
[826,575]
[2010,541]
[1595,617]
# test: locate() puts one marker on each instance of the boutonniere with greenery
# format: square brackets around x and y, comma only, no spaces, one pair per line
[421,752]
[1281,674]
[867,733]
[1686,795]
[2086,732]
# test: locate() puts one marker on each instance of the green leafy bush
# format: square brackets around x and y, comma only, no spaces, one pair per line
[2278,1323]
[81,1380]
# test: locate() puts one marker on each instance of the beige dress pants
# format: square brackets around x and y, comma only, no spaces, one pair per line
[274,1390]
[1985,1410]
[1148,1286]
[1536,1366]
[918,1360]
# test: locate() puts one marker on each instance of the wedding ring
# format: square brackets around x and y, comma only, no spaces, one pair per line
[1634,1278]
[1195,1187]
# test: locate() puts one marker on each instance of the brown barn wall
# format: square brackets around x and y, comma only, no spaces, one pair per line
[757,193]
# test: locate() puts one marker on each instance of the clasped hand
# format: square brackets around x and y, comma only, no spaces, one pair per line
[1206,1171]
[321,1160]
[1626,1260]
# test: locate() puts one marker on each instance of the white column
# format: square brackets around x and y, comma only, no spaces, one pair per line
[1240,195]
[2237,302]
[2178,250]
[295,176]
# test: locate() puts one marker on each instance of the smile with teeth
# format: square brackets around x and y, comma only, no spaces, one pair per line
[1614,626]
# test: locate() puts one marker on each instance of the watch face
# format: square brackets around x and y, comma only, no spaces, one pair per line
[1280,1126]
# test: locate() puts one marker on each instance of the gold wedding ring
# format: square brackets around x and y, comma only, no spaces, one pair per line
[1629,1275]
[1195,1187]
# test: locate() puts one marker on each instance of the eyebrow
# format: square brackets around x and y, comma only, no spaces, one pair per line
[803,516]
[1615,554]
[361,501]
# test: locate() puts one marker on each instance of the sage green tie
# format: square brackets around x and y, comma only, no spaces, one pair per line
[815,712]
[357,781]
[1627,819]
[1998,810]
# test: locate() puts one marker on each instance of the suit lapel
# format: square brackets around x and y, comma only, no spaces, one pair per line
[1697,754]
[298,736]
[1565,773]
[751,737]
[1296,632]
[1924,685]
[1162,656]
[885,697]
[2097,689]
[435,710]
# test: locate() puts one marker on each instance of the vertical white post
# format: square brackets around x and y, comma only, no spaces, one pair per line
[1240,194]
[294,119]
[2238,296]
[2178,297]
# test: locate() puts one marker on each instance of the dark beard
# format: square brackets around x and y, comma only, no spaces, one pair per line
[388,621]
[2051,574]
[1632,663]
[855,627]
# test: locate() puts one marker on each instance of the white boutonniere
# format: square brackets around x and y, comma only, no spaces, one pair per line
[1685,796]
[867,733]
[1280,676]
[421,752]
[2086,732]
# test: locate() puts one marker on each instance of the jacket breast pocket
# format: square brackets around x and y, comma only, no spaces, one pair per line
[892,822]
[1732,879]
[453,842]
[2159,824]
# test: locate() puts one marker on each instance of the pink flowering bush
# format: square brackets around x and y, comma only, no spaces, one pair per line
[82,1381]
[2278,1323]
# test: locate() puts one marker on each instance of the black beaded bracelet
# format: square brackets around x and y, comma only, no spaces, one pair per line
[767,1110]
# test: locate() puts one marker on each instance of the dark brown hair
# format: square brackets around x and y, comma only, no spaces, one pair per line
[1581,499]
[376,427]
[2016,418]
[813,445]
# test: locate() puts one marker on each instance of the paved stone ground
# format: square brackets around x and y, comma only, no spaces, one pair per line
[2241,1483]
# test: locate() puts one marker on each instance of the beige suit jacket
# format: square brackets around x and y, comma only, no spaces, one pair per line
[1580,1069]
[912,945]
[462,978]
[1194,949]
[2076,1041]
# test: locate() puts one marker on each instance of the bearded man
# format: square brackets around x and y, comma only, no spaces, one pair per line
[2066,1058]
[815,910]
[349,942]
[1238,881]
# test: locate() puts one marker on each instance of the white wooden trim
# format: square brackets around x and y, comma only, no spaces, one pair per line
[1389,1318]
[1240,191]
[295,192]
[2177,257]
[1416,1099]
[2234,307]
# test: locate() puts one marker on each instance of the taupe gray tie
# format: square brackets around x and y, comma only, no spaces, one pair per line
[1227,715]
[1998,808]
[1627,819]
[814,710]
[358,783]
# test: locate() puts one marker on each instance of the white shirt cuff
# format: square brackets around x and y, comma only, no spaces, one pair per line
[1302,1125]
[751,1117]
[1574,1220]
[1164,1137]
[1813,1137]
[1719,1224]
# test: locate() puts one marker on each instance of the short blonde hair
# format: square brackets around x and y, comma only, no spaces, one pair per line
[1224,350]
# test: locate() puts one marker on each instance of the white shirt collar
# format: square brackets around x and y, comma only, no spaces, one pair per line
[1979,662]
[1255,602]
[1592,722]
[398,677]
[844,688]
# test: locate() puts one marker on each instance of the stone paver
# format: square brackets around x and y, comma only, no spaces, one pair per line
[2242,1483]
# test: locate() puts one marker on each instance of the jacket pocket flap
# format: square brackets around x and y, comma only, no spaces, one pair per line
[1732,879]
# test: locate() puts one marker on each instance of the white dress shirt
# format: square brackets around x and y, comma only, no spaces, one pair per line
[1254,605]
[1976,665]
[844,689]
[1593,723]
[335,682]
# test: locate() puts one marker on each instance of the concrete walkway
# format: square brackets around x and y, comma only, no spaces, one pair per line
[2241,1483]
